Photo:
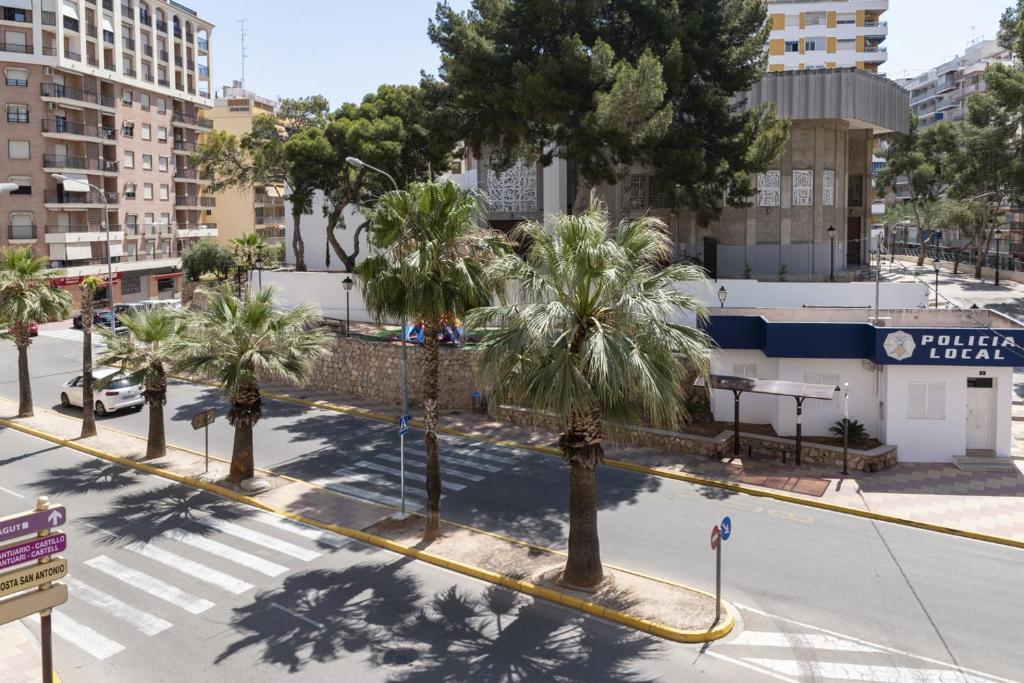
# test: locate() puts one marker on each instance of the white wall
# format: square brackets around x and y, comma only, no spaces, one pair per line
[754,408]
[314,235]
[760,294]
[324,291]
[940,440]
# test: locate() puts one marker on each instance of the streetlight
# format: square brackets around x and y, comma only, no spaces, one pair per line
[846,427]
[999,235]
[831,232]
[80,183]
[8,187]
[359,164]
[937,265]
[347,284]
[259,266]
[722,296]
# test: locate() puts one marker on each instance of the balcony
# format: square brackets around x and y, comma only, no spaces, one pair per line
[84,200]
[81,234]
[190,120]
[93,60]
[163,55]
[128,43]
[66,92]
[197,230]
[49,18]
[203,44]
[21,232]
[144,17]
[178,61]
[129,71]
[126,12]
[71,24]
[16,15]
[73,129]
[191,201]
[72,55]
[108,37]
[267,200]
[184,147]
[18,48]
[108,5]
[53,163]
[191,175]
[147,49]
[49,51]
[161,26]
[163,82]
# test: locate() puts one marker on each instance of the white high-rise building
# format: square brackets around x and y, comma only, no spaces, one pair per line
[827,34]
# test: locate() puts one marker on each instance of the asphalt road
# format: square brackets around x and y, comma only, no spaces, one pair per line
[922,602]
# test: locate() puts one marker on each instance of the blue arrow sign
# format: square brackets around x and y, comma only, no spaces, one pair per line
[726,528]
[403,425]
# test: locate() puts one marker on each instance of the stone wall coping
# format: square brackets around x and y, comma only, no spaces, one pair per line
[878,450]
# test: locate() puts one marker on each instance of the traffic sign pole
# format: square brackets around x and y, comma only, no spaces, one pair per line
[718,583]
[45,626]
[403,427]
[206,434]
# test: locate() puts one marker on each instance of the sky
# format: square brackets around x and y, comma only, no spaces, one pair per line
[346,48]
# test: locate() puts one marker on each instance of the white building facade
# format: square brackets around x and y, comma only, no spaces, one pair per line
[827,34]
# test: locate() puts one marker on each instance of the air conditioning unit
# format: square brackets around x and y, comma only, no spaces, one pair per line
[52,106]
[47,70]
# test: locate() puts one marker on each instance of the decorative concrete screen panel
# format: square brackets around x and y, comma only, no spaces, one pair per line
[803,188]
[514,190]
[828,189]
[769,188]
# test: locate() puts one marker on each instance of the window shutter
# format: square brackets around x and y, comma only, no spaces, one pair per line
[936,401]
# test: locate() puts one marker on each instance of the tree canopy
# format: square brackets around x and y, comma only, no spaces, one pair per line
[206,257]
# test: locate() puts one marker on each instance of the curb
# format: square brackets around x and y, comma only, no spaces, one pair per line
[690,478]
[720,630]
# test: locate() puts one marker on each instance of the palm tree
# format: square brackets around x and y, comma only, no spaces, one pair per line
[591,338]
[144,353]
[89,286]
[27,297]
[430,263]
[248,248]
[236,343]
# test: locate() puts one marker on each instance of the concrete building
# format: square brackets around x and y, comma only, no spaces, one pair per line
[936,384]
[822,180]
[941,93]
[110,93]
[242,211]
[827,34]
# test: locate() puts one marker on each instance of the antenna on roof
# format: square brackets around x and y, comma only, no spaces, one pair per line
[245,55]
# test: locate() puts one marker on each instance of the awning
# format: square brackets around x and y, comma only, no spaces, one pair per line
[71,10]
[107,25]
[18,4]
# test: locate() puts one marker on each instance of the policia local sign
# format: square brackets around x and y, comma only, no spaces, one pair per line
[950,347]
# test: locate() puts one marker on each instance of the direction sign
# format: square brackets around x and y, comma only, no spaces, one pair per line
[714,538]
[403,425]
[204,418]
[26,523]
[33,602]
[32,550]
[726,528]
[35,575]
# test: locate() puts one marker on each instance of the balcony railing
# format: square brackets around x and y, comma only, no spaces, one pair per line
[21,232]
[49,51]
[147,49]
[164,55]
[78,163]
[93,60]
[129,71]
[19,48]
[126,12]
[65,229]
[128,43]
[182,146]
[74,128]
[62,197]
[69,93]
[204,70]
[108,37]
[161,26]
[267,199]
[71,24]
[196,226]
[178,61]
[203,44]
[187,200]
[164,82]
[49,18]
[72,55]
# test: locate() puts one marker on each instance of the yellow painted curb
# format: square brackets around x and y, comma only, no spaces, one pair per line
[720,630]
[679,476]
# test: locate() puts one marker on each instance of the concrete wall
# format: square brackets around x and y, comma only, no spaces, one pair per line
[314,235]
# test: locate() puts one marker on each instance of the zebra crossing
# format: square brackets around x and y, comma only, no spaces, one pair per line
[376,474]
[121,584]
[792,651]
[74,335]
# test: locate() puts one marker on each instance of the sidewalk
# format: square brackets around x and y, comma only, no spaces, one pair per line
[990,503]
[20,660]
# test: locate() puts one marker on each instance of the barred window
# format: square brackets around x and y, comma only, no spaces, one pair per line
[638,192]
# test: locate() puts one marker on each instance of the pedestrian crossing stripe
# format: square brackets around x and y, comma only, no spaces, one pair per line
[253,536]
[158,588]
[72,335]
[226,552]
[145,622]
[81,636]
[199,572]
[408,475]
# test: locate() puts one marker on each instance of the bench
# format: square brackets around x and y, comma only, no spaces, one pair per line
[769,449]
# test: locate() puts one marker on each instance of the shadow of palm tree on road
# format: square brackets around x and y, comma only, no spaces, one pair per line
[92,476]
[145,515]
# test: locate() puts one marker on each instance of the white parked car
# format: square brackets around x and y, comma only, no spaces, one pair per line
[112,392]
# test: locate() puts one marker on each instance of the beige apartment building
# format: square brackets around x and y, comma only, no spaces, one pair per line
[111,92]
[827,34]
[242,211]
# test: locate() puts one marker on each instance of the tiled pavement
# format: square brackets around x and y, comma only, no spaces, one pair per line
[19,654]
[941,494]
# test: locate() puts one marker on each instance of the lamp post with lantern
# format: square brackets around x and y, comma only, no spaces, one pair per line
[831,232]
[723,294]
[347,283]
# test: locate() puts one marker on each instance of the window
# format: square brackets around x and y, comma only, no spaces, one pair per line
[147,132]
[161,105]
[16,77]
[129,191]
[15,14]
[24,184]
[638,192]
[820,378]
[18,149]
[131,221]
[17,113]
[127,96]
[748,370]
[144,101]
[128,129]
[165,193]
[165,220]
[147,191]
[792,46]
[22,227]
[814,44]
[148,222]
[161,134]
[165,164]
[131,284]
[165,284]
[129,159]
[147,162]
[926,400]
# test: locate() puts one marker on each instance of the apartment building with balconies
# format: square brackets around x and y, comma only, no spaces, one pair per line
[109,92]
[827,34]
[246,210]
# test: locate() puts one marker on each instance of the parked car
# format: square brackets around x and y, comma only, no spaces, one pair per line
[121,310]
[112,391]
[161,303]
[76,322]
[103,320]
[33,329]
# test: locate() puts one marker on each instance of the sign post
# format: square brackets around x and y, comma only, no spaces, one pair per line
[203,420]
[403,429]
[720,533]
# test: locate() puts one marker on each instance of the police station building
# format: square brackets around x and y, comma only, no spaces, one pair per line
[936,384]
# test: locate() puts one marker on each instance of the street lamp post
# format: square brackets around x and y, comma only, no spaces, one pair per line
[846,427]
[347,284]
[999,235]
[832,259]
[259,267]
[722,296]
[78,182]
[937,264]
[359,164]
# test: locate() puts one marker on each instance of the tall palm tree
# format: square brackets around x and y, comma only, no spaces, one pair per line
[89,286]
[144,353]
[27,297]
[236,343]
[591,338]
[430,263]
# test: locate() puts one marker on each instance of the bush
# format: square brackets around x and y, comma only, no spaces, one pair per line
[207,257]
[856,431]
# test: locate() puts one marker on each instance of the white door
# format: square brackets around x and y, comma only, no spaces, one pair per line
[980,418]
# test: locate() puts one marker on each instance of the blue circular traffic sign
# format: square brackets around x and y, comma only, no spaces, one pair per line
[726,527]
